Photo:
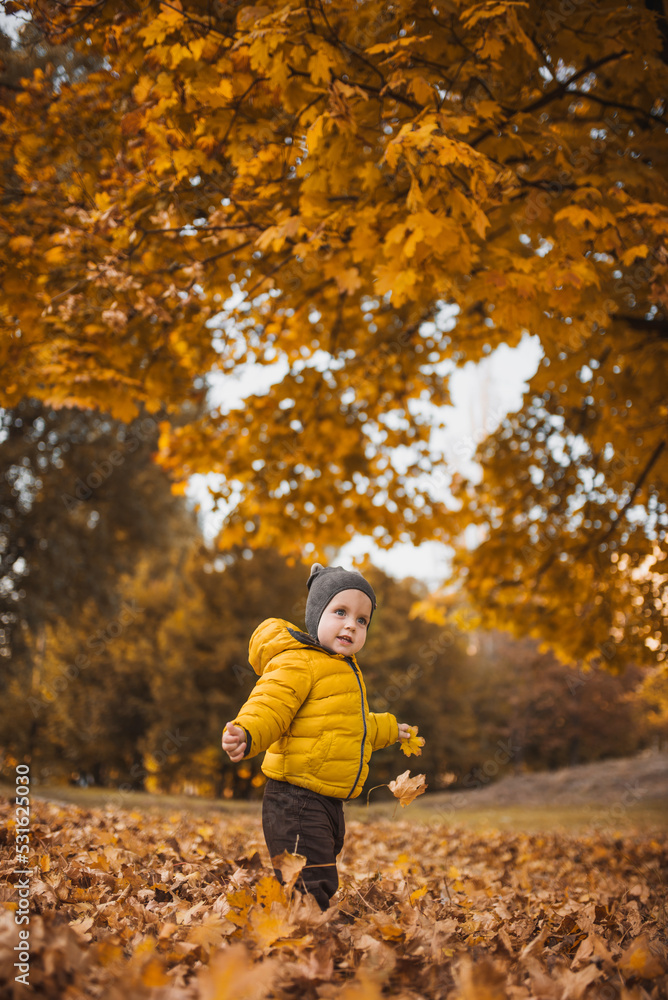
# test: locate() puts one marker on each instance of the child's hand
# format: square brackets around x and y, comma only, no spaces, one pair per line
[411,743]
[234,741]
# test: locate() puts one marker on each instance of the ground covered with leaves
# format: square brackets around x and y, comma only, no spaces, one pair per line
[126,905]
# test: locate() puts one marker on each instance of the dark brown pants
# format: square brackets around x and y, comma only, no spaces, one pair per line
[300,821]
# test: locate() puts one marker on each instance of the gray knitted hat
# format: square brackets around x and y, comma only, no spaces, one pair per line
[323,584]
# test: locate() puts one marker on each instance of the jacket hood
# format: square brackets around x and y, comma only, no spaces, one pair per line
[275,635]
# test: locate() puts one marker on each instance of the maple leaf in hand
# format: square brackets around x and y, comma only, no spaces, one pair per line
[414,743]
[406,788]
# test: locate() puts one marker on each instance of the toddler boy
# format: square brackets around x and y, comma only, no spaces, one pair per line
[309,711]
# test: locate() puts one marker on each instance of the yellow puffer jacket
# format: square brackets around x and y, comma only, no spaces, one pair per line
[309,711]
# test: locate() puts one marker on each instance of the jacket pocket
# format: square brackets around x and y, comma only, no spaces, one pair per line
[320,752]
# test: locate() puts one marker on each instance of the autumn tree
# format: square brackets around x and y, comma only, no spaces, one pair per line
[81,500]
[549,716]
[95,697]
[359,197]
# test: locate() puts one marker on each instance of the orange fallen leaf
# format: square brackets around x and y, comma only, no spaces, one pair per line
[639,960]
[406,788]
[414,743]
[267,926]
[574,984]
[153,974]
[234,972]
[362,988]
[484,980]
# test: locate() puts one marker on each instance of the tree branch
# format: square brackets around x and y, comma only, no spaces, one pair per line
[656,324]
[556,93]
[629,503]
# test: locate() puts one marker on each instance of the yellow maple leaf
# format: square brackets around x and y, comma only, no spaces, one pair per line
[155,32]
[269,890]
[267,926]
[362,988]
[392,278]
[423,91]
[320,64]
[414,743]
[481,981]
[233,972]
[20,244]
[142,89]
[629,256]
[418,894]
[391,932]
[55,255]
[153,974]
[348,281]
[577,217]
[178,53]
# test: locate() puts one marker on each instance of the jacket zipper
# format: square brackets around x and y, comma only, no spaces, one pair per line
[359,684]
[359,770]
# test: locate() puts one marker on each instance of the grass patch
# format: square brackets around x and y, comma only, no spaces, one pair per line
[102,798]
[648,816]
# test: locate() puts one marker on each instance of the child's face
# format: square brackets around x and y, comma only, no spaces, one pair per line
[344,622]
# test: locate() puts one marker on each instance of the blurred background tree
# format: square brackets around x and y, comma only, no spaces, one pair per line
[80,502]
